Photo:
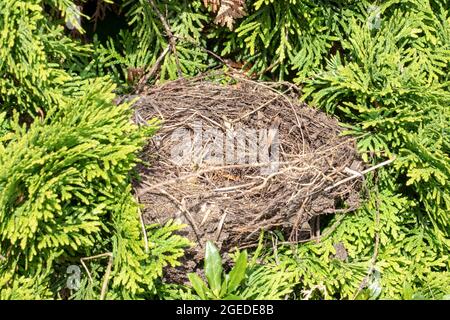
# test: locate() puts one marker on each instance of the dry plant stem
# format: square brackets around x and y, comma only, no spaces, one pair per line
[259,108]
[199,173]
[362,173]
[185,211]
[293,235]
[107,273]
[143,81]
[100,12]
[144,232]
[106,279]
[172,42]
[220,226]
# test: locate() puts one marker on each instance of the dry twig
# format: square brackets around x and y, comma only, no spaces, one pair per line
[172,42]
[107,273]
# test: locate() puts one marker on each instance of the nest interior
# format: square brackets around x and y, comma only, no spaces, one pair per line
[230,197]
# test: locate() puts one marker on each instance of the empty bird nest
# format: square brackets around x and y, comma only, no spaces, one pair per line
[234,157]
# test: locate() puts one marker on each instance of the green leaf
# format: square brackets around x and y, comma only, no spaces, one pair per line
[198,285]
[213,267]
[237,274]
[408,292]
[232,297]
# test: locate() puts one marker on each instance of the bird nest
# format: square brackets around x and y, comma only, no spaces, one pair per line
[234,157]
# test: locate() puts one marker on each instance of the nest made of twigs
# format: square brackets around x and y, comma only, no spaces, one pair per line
[231,203]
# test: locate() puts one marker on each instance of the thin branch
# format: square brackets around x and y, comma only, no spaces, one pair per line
[220,225]
[106,279]
[213,54]
[265,104]
[172,42]
[152,72]
[323,236]
[144,232]
[186,213]
[107,273]
[360,174]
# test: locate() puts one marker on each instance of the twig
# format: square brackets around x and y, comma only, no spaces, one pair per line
[234,188]
[260,107]
[172,42]
[151,73]
[269,68]
[144,232]
[2,258]
[213,54]
[324,235]
[150,187]
[106,279]
[275,248]
[99,14]
[220,225]
[358,175]
[206,215]
[186,212]
[107,273]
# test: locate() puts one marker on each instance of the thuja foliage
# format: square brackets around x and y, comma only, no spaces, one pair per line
[66,150]
[66,195]
[282,38]
[65,191]
[390,85]
[387,253]
[31,52]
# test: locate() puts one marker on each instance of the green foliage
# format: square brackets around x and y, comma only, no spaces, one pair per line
[66,150]
[65,190]
[146,40]
[31,51]
[390,86]
[285,36]
[60,177]
[247,280]
[406,254]
[219,288]
[392,89]
[136,271]
[61,180]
